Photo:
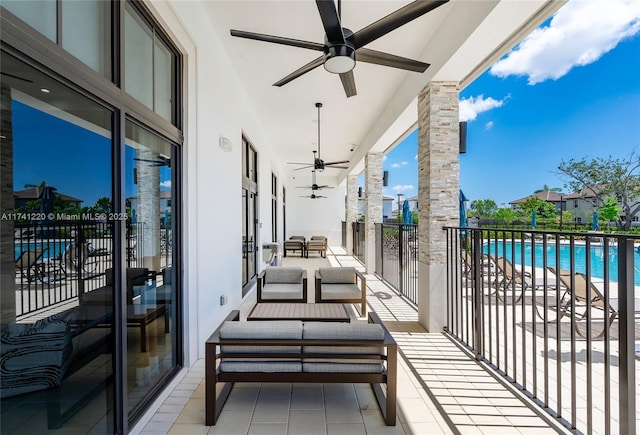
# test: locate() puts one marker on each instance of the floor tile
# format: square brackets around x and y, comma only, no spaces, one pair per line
[307,422]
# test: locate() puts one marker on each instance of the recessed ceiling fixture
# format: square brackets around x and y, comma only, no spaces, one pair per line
[342,47]
[45,90]
[318,163]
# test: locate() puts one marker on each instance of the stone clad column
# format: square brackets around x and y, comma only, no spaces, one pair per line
[352,210]
[438,195]
[373,214]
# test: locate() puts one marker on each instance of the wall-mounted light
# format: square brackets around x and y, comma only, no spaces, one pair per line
[225,144]
[385,178]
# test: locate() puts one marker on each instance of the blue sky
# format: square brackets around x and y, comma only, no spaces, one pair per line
[571,89]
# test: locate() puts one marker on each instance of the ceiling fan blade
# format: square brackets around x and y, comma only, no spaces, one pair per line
[296,163]
[304,167]
[336,167]
[336,163]
[394,20]
[278,40]
[300,71]
[348,83]
[386,59]
[330,20]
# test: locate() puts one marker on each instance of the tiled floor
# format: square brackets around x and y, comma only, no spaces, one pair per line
[441,390]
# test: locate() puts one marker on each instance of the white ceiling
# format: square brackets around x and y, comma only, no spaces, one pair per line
[459,39]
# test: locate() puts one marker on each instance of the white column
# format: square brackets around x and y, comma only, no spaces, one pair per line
[438,195]
[352,210]
[373,186]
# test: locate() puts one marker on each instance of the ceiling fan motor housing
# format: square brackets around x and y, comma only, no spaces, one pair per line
[339,57]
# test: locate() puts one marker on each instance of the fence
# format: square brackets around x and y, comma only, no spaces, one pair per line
[555,314]
[58,262]
[359,237]
[397,257]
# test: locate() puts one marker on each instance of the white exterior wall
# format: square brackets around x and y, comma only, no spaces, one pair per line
[215,105]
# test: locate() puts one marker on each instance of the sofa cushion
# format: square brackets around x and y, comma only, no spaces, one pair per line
[342,331]
[268,329]
[283,275]
[261,366]
[282,291]
[341,291]
[339,367]
[338,275]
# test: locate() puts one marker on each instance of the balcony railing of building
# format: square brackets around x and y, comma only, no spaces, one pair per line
[397,258]
[359,236]
[58,262]
[553,313]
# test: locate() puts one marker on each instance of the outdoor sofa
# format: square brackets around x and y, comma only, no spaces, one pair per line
[317,244]
[345,285]
[295,243]
[282,284]
[296,351]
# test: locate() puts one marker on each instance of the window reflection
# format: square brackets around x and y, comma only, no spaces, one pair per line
[56,306]
[150,295]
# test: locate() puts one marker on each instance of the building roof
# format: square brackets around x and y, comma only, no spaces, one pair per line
[587,192]
[34,193]
[545,195]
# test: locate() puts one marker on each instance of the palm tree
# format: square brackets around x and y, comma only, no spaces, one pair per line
[546,188]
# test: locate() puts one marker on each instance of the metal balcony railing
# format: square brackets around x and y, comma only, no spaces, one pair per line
[555,314]
[397,258]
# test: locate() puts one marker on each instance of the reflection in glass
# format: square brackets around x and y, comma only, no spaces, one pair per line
[56,310]
[150,311]
[138,58]
[39,14]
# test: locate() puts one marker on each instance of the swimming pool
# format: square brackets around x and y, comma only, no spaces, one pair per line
[597,257]
[55,248]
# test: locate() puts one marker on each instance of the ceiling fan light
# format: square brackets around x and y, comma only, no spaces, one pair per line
[340,59]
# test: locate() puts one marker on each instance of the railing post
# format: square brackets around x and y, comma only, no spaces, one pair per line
[477,293]
[400,259]
[626,343]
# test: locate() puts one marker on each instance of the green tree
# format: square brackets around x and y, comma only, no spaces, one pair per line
[546,188]
[543,209]
[483,208]
[618,178]
[102,205]
[506,215]
[610,210]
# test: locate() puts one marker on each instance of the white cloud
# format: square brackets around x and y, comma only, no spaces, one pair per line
[402,188]
[415,157]
[166,183]
[384,157]
[471,107]
[399,164]
[488,125]
[578,34]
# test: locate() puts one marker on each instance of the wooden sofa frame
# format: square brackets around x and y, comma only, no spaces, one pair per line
[214,402]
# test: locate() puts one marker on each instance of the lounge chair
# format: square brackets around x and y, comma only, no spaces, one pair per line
[317,244]
[295,243]
[340,285]
[488,265]
[29,264]
[585,296]
[509,275]
[282,284]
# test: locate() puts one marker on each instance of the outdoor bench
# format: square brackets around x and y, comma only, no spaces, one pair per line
[296,351]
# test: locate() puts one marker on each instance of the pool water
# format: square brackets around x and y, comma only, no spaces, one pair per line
[56,248]
[597,257]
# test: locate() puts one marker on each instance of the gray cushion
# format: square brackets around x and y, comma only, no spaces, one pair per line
[342,331]
[260,349]
[283,275]
[282,291]
[274,329]
[261,366]
[331,367]
[335,275]
[340,291]
[350,350]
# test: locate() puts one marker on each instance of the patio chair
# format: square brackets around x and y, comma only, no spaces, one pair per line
[488,265]
[509,275]
[29,264]
[282,284]
[585,295]
[345,285]
[295,243]
[317,244]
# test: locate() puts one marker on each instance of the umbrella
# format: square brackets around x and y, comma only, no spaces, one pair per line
[533,219]
[407,218]
[463,210]
[595,225]
[47,198]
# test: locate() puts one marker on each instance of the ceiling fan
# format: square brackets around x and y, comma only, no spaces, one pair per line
[160,161]
[315,186]
[342,47]
[319,164]
[313,196]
